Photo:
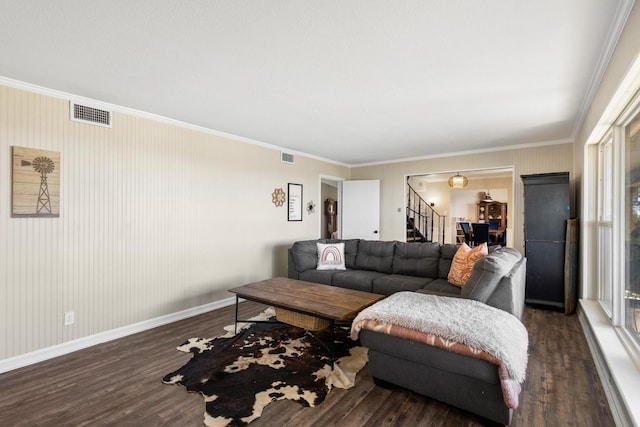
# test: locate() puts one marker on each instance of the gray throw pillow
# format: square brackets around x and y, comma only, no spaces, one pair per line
[305,255]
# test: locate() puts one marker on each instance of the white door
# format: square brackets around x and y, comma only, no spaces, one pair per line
[361,210]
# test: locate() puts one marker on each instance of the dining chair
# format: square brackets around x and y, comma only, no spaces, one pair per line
[494,225]
[466,229]
[480,233]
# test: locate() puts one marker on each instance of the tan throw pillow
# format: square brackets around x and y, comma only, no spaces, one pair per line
[463,261]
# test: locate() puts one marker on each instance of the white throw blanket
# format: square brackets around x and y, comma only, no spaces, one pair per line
[469,322]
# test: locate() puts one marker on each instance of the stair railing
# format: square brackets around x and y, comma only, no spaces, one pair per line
[426,221]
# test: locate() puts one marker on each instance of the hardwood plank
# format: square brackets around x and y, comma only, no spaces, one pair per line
[362,412]
[119,383]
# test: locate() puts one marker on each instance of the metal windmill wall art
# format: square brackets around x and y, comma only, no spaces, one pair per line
[44,165]
[36,183]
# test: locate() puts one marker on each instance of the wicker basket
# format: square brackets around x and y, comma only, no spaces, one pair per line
[300,320]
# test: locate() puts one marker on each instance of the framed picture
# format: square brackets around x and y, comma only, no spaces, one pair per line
[295,202]
[35,183]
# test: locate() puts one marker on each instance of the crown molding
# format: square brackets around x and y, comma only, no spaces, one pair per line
[16,84]
[623,12]
[467,152]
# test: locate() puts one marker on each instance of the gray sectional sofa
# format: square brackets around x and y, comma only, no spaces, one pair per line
[387,267]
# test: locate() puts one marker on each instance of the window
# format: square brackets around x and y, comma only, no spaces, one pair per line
[605,223]
[610,247]
[632,228]
[617,221]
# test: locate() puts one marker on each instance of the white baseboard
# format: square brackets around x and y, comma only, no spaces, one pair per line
[619,376]
[102,337]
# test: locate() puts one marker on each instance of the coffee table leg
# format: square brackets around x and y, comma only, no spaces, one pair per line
[235,324]
[332,338]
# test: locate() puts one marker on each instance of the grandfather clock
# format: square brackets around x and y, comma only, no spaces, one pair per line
[330,209]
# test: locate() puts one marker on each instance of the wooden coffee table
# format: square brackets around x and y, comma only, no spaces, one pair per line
[333,304]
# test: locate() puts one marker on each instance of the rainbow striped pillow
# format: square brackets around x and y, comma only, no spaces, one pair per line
[330,256]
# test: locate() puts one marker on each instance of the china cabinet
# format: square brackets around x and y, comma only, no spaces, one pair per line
[493,212]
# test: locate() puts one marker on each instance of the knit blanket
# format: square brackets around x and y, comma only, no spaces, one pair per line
[459,325]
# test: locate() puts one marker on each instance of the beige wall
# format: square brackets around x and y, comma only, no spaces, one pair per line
[392,176]
[154,219]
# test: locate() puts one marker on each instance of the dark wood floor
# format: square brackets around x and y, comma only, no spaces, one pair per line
[118,383]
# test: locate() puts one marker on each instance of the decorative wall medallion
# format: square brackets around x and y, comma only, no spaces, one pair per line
[278,197]
[311,207]
[36,183]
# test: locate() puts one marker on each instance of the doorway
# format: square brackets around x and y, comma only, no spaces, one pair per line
[330,192]
[461,205]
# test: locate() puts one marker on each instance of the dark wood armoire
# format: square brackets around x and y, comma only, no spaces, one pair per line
[547,208]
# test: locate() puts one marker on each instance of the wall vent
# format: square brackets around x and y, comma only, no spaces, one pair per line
[91,115]
[287,158]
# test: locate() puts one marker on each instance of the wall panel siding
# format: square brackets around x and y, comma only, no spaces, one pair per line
[154,219]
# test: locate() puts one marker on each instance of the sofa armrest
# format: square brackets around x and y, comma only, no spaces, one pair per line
[509,295]
[292,273]
[495,281]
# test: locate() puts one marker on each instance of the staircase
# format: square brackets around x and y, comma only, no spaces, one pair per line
[424,224]
[413,233]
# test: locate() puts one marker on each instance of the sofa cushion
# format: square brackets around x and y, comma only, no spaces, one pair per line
[375,256]
[488,272]
[463,262]
[416,259]
[447,252]
[330,256]
[386,285]
[324,277]
[440,287]
[359,280]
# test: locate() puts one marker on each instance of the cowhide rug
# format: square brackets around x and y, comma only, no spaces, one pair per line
[239,375]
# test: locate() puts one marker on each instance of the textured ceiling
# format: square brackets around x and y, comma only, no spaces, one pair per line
[351,81]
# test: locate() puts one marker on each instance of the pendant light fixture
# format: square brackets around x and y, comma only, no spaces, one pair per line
[458,181]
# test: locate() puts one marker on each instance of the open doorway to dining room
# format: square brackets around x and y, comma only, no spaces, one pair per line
[469,204]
